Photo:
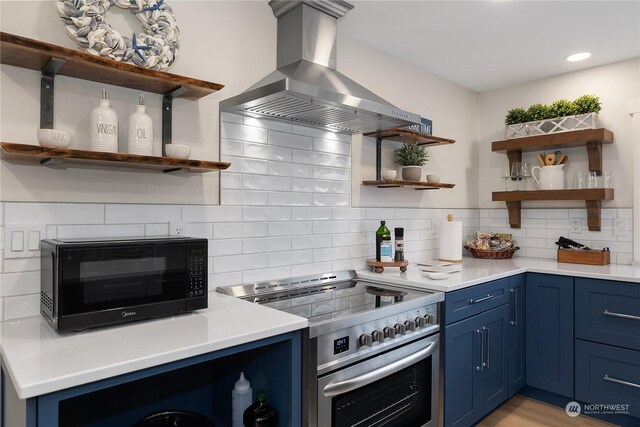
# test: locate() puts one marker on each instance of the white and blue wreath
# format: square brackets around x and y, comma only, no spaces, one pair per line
[156,47]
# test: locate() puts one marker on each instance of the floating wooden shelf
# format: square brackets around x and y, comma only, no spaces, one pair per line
[592,197]
[56,156]
[417,185]
[590,138]
[409,137]
[37,55]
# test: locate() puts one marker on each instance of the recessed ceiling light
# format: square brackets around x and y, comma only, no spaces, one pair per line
[578,56]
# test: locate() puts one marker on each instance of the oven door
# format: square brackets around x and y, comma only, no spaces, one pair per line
[399,388]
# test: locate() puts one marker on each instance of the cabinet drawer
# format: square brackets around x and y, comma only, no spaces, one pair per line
[473,300]
[608,312]
[608,375]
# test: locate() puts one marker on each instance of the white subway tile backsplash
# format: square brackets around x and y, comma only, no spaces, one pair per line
[21,306]
[225,279]
[84,231]
[349,213]
[260,182]
[221,247]
[230,180]
[336,174]
[203,230]
[18,265]
[279,259]
[231,118]
[135,214]
[312,241]
[230,147]
[192,213]
[22,283]
[243,197]
[53,213]
[291,140]
[266,244]
[264,274]
[290,228]
[343,187]
[310,185]
[331,199]
[267,152]
[225,264]
[156,230]
[331,146]
[228,230]
[330,227]
[281,198]
[310,213]
[245,133]
[313,268]
[246,165]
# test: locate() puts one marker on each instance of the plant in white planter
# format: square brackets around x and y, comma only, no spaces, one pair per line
[411,157]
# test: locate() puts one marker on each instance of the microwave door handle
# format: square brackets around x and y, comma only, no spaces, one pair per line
[334,389]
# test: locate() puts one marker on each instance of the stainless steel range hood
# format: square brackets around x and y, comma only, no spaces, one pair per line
[306,88]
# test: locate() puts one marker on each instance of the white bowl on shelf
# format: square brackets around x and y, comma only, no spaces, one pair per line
[178,151]
[56,138]
[432,178]
[388,174]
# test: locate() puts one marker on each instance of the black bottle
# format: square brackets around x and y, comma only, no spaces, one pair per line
[260,413]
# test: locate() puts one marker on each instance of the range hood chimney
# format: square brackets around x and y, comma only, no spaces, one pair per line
[306,88]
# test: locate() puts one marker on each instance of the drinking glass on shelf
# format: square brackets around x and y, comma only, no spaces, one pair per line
[505,175]
[526,174]
[579,180]
[606,180]
[520,171]
[592,179]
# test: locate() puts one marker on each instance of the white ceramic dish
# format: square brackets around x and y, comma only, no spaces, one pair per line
[437,276]
[389,174]
[433,178]
[179,151]
[54,138]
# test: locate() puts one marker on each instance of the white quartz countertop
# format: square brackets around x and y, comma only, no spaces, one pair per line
[475,271]
[39,361]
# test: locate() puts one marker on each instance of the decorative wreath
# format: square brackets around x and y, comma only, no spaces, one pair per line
[155,48]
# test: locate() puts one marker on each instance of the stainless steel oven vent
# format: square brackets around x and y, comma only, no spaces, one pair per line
[306,88]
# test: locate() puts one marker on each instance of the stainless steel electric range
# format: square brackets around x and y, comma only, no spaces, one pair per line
[371,352]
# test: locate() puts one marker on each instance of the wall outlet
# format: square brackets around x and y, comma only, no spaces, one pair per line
[177,228]
[620,227]
[576,225]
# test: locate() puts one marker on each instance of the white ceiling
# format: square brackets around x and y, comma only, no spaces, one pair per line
[485,45]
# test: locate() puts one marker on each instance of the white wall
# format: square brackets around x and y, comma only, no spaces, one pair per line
[616,84]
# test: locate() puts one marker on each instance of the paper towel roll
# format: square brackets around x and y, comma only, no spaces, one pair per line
[451,240]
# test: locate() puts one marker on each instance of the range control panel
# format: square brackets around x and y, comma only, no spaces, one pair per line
[376,335]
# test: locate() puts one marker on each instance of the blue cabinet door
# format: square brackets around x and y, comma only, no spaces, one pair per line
[475,368]
[549,333]
[517,378]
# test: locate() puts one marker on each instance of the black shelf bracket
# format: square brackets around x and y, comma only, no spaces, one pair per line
[47,83]
[167,113]
[378,159]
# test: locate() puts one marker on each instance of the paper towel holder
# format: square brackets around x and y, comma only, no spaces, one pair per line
[457,258]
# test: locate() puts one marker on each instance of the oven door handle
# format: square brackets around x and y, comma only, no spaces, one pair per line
[334,389]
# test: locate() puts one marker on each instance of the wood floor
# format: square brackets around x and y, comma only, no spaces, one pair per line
[520,411]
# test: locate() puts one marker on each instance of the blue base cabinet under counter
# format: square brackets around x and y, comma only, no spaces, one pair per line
[200,384]
[517,360]
[549,333]
[476,352]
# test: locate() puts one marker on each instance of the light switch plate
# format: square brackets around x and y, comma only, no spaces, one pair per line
[23,240]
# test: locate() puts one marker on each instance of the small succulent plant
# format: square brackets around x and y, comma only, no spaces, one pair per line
[411,155]
[562,108]
[515,116]
[587,104]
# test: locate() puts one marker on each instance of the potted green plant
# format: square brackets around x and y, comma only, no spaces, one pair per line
[411,157]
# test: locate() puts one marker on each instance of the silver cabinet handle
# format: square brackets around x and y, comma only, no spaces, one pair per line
[335,389]
[486,330]
[475,301]
[479,367]
[624,316]
[483,363]
[617,381]
[514,293]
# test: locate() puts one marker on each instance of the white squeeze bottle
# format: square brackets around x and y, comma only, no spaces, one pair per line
[104,127]
[241,399]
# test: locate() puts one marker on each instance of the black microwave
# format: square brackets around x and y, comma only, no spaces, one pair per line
[91,283]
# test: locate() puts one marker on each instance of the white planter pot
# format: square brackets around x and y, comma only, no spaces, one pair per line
[411,173]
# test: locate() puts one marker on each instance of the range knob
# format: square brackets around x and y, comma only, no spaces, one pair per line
[421,322]
[399,328]
[428,317]
[389,332]
[366,339]
[377,335]
[410,325]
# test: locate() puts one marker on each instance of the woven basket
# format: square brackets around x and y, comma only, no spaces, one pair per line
[478,253]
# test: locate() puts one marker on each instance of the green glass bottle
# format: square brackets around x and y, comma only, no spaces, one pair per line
[381,234]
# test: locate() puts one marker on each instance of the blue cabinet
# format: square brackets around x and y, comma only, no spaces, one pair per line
[475,368]
[517,364]
[549,333]
[201,384]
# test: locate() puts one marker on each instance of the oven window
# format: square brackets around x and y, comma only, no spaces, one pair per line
[113,277]
[399,400]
